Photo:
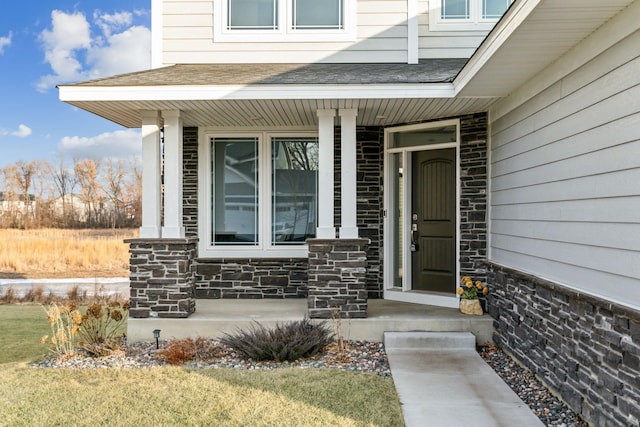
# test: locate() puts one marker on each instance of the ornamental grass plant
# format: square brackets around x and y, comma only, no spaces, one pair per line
[286,342]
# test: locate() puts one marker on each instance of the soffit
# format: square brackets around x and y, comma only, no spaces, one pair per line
[279,113]
[530,36]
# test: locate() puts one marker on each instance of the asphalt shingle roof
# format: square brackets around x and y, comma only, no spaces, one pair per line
[427,71]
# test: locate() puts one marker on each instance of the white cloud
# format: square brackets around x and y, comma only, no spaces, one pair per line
[121,144]
[4,42]
[112,22]
[75,54]
[23,131]
[122,53]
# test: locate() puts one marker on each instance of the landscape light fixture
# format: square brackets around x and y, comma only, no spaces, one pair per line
[156,335]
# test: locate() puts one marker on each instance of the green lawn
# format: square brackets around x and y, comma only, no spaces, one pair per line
[177,396]
[21,327]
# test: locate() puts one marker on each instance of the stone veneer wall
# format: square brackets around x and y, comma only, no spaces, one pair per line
[337,278]
[585,348]
[473,195]
[251,278]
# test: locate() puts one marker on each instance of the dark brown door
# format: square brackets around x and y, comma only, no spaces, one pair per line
[433,221]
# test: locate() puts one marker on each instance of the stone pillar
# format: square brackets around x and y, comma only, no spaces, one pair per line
[337,278]
[161,278]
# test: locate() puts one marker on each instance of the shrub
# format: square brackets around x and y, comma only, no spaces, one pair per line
[286,342]
[100,330]
[181,351]
[65,321]
[178,352]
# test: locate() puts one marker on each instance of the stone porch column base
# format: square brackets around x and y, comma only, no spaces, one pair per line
[337,278]
[161,277]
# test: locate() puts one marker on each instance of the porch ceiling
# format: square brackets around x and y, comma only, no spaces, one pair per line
[266,113]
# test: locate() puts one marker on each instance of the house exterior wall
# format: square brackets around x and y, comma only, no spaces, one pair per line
[564,270]
[381,35]
[434,43]
[564,177]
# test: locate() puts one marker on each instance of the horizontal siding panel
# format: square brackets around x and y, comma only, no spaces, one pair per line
[612,160]
[614,236]
[282,57]
[397,31]
[386,19]
[607,184]
[612,85]
[609,60]
[182,33]
[591,117]
[445,53]
[187,20]
[187,7]
[614,209]
[384,6]
[619,132]
[624,263]
[624,290]
[450,42]
[201,45]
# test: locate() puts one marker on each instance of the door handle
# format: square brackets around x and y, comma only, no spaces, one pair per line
[414,244]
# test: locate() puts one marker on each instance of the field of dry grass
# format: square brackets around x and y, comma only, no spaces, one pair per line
[58,253]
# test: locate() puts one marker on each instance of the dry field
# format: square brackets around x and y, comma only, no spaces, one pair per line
[58,253]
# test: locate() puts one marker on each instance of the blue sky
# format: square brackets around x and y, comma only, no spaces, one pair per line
[45,43]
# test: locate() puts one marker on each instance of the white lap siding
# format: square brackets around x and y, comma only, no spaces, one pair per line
[565,174]
[188,37]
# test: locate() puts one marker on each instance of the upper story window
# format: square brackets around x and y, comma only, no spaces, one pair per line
[314,14]
[252,14]
[284,20]
[466,15]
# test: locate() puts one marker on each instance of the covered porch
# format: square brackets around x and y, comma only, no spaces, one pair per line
[215,317]
[188,113]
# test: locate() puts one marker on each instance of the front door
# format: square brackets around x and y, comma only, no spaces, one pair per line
[433,221]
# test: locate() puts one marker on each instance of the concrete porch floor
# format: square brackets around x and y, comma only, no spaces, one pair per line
[214,317]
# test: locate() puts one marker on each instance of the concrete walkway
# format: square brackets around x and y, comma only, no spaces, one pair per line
[442,381]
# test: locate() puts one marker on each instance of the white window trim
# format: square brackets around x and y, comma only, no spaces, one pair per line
[284,33]
[474,23]
[264,249]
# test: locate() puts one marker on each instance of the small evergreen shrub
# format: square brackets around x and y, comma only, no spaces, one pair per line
[286,342]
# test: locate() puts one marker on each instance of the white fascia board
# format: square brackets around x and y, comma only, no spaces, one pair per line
[185,93]
[513,18]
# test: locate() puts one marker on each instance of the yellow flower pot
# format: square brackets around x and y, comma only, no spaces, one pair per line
[471,306]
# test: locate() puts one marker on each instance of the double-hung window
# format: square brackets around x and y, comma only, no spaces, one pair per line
[284,20]
[261,196]
[460,15]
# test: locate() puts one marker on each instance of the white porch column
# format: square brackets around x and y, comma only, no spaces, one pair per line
[173,227]
[326,228]
[151,199]
[348,177]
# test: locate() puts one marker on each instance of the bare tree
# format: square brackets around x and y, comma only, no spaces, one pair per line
[87,174]
[64,182]
[115,176]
